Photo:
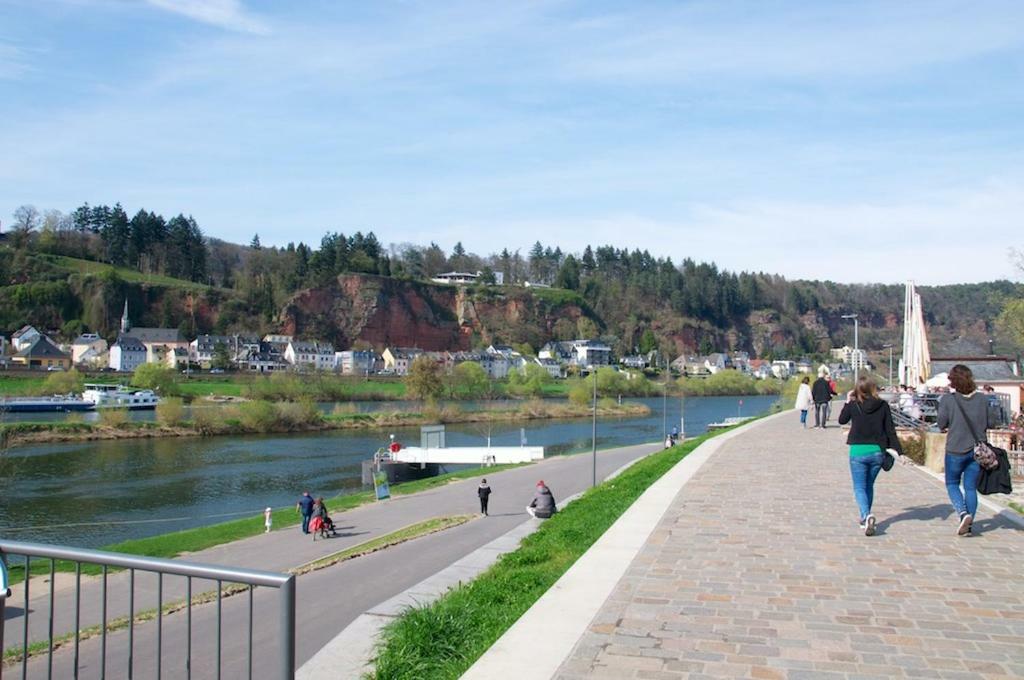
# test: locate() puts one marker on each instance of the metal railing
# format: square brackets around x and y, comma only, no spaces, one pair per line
[251,578]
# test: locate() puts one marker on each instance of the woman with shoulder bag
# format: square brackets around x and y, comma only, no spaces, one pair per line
[961,411]
[871,432]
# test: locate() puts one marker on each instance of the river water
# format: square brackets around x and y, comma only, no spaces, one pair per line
[95,493]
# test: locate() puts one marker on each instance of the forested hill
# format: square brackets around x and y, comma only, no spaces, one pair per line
[72,272]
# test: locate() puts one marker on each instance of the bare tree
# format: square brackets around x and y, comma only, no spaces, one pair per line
[27,218]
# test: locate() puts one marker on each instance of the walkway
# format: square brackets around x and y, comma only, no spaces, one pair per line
[758,569]
[329,599]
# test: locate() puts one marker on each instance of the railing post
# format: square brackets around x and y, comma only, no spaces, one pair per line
[288,629]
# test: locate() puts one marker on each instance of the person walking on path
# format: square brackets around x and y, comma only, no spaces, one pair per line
[543,503]
[959,412]
[821,393]
[804,400]
[305,506]
[871,432]
[268,519]
[484,492]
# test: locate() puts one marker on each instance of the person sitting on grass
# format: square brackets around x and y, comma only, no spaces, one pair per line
[543,503]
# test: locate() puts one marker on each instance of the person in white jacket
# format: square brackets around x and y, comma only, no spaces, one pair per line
[804,400]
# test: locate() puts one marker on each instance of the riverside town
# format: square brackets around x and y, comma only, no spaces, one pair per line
[416,341]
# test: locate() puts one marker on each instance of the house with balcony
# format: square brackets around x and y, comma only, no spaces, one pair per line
[88,349]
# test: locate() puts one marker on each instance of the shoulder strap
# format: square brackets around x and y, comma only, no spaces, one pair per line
[970,425]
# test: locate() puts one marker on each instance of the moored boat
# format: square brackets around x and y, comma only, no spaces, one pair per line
[53,404]
[729,422]
[118,396]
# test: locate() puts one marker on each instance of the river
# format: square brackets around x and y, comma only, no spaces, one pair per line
[100,492]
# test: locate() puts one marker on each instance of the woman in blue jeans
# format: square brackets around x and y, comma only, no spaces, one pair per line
[871,433]
[960,411]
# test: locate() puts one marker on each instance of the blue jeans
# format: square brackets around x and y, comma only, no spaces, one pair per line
[962,465]
[803,417]
[305,523]
[864,470]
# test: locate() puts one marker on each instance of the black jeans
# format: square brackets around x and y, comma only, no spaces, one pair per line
[483,505]
[820,413]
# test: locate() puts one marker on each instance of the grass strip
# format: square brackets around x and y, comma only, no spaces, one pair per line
[178,543]
[1017,507]
[443,639]
[402,535]
[417,530]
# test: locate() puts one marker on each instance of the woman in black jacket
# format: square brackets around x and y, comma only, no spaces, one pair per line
[871,433]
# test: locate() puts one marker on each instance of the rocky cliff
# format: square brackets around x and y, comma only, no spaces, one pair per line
[380,312]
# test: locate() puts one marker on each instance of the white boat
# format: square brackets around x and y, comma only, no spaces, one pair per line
[729,422]
[56,404]
[119,396]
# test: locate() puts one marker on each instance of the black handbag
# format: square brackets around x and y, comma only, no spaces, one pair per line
[986,455]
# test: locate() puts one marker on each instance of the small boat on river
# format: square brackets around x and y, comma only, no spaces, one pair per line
[729,422]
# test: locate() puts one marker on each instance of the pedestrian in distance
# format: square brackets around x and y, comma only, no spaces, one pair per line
[305,507]
[961,411]
[484,493]
[804,400]
[872,433]
[268,520]
[821,393]
[543,503]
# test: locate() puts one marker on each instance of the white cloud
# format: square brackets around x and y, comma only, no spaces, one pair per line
[229,14]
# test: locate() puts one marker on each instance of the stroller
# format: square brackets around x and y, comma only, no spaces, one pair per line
[323,527]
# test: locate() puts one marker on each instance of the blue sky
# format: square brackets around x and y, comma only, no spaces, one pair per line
[856,141]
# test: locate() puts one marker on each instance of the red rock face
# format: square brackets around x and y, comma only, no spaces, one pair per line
[389,312]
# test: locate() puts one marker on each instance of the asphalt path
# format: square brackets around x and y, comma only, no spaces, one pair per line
[327,600]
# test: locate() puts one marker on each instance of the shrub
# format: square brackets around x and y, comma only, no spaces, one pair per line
[205,421]
[63,382]
[170,411]
[913,447]
[114,417]
[258,416]
[297,414]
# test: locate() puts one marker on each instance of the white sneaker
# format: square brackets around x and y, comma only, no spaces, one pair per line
[965,525]
[869,526]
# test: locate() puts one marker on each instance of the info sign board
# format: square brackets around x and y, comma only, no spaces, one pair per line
[380,485]
[5,582]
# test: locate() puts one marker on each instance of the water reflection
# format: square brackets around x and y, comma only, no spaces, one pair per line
[141,487]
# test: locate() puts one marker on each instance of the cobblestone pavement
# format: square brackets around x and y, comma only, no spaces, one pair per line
[759,570]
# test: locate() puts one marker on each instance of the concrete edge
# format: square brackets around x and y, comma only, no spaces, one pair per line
[997,509]
[540,641]
[349,654]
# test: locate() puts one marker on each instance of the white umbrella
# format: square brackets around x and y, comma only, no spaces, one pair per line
[938,380]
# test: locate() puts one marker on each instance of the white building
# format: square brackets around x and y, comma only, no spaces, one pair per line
[88,349]
[399,359]
[24,337]
[127,354]
[356,362]
[553,367]
[317,356]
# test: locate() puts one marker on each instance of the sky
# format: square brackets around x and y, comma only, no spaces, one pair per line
[852,141]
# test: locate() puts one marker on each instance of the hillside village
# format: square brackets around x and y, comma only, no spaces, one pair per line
[30,349]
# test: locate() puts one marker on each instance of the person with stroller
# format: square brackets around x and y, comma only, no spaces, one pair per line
[321,522]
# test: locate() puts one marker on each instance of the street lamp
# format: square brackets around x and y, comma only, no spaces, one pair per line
[593,433]
[856,346]
[889,347]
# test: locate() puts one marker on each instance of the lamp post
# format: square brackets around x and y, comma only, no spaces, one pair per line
[889,347]
[593,433]
[856,347]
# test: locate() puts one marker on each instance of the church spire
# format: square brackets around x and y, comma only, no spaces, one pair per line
[125,324]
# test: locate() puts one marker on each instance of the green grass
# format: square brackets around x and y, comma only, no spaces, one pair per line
[1017,507]
[18,385]
[178,543]
[443,639]
[93,268]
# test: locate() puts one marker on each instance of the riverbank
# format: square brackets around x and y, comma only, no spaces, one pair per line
[263,417]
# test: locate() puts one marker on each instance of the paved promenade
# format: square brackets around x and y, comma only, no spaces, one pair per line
[758,569]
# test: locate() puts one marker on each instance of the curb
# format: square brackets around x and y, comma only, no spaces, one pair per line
[350,653]
[997,509]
